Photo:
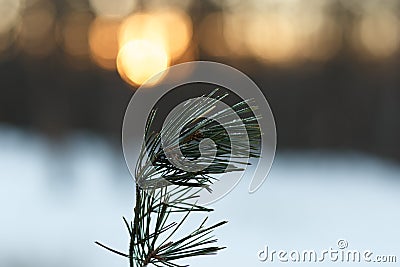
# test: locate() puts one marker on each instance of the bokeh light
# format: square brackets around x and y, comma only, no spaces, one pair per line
[141,26]
[139,60]
[172,28]
[272,32]
[177,30]
[150,41]
[378,33]
[103,42]
[275,32]
[9,14]
[235,30]
[112,9]
[273,38]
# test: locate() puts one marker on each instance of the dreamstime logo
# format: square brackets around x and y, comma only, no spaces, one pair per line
[220,75]
[339,254]
[342,244]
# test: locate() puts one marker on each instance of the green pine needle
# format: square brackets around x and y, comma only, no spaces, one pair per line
[163,189]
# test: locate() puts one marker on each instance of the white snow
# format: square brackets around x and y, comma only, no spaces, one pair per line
[56,199]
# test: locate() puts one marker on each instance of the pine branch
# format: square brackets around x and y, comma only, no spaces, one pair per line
[163,189]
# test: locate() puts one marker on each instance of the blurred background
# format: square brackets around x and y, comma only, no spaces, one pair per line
[329,69]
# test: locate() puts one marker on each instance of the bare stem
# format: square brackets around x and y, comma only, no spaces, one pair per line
[135,229]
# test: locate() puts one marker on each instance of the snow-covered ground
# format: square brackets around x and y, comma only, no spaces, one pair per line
[57,199]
